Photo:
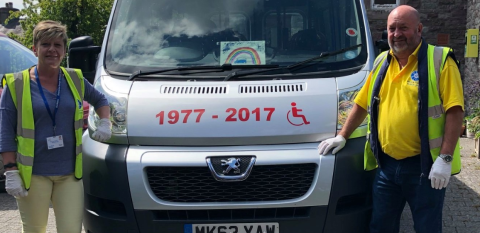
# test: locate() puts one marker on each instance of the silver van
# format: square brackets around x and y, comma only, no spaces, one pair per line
[218,107]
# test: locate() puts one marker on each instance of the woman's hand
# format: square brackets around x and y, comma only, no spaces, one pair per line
[14,184]
[103,132]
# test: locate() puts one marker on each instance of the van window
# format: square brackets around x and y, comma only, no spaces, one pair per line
[293,24]
[147,35]
[236,21]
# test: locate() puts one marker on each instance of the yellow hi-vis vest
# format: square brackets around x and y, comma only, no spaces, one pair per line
[436,57]
[19,86]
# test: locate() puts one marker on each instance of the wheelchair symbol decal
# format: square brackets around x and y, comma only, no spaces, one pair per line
[295,113]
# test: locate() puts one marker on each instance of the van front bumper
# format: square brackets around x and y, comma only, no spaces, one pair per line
[118,197]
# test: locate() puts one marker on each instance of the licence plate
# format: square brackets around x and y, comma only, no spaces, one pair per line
[232,228]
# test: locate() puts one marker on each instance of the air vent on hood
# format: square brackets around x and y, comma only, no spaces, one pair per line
[295,87]
[193,89]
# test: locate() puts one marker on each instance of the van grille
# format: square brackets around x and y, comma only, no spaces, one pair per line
[194,90]
[265,183]
[248,89]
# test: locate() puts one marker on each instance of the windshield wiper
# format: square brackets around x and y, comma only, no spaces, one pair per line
[292,66]
[323,55]
[221,68]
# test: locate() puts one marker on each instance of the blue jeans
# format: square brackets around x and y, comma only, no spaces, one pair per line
[398,182]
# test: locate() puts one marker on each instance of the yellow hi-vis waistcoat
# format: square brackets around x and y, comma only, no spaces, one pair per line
[436,57]
[19,86]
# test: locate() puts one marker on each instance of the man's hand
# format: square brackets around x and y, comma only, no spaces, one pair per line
[14,184]
[440,173]
[103,132]
[337,143]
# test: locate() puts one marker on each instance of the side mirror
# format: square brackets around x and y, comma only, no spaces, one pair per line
[382,44]
[83,54]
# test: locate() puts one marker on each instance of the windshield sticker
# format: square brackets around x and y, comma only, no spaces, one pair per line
[242,52]
[351,32]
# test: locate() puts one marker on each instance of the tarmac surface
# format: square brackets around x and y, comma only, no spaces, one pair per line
[461,213]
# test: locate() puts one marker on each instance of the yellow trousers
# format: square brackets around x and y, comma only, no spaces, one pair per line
[65,193]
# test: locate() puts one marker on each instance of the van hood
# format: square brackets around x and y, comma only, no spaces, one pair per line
[231,113]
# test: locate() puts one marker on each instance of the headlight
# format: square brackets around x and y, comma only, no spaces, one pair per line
[118,109]
[345,105]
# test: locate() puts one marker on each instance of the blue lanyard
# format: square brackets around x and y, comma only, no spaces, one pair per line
[52,116]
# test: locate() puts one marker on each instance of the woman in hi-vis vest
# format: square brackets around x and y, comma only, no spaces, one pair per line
[41,119]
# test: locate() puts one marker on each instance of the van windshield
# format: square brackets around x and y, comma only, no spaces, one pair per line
[156,34]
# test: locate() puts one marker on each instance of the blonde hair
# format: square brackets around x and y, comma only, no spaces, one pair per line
[49,29]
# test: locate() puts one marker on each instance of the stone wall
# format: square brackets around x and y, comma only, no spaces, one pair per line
[472,68]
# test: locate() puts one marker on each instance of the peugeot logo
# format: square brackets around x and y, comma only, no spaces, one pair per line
[231,163]
[228,169]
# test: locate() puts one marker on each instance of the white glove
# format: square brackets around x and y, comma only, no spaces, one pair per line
[14,184]
[103,132]
[337,143]
[440,173]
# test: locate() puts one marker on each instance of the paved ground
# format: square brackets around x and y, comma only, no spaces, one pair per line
[461,213]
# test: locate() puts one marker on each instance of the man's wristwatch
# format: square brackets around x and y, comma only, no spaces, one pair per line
[9,165]
[447,158]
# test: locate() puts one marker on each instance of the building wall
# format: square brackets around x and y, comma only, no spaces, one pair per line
[13,25]
[472,68]
[5,13]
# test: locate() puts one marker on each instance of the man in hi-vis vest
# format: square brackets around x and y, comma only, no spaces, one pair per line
[413,100]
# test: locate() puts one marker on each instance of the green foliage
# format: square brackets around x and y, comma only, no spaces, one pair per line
[473,120]
[81,17]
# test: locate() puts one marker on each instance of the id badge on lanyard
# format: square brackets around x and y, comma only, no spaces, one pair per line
[56,141]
